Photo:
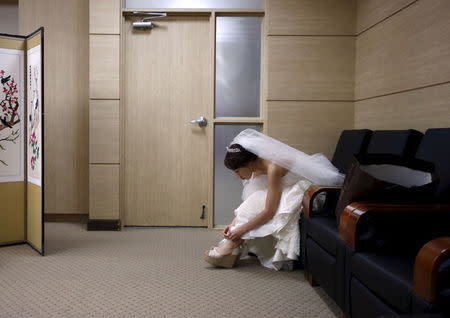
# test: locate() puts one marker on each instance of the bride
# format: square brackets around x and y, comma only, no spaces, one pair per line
[275,176]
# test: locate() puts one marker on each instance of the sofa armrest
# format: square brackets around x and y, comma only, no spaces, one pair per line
[352,215]
[426,267]
[311,193]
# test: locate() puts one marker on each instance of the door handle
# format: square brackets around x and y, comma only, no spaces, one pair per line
[201,121]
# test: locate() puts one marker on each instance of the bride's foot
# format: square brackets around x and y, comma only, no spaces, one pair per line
[214,257]
[226,248]
[224,255]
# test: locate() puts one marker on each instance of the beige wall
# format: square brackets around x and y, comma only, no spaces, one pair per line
[310,72]
[9,16]
[329,66]
[402,73]
[66,77]
[104,108]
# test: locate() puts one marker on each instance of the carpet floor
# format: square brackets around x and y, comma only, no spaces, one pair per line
[146,272]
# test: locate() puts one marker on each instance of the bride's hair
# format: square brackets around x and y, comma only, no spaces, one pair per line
[238,157]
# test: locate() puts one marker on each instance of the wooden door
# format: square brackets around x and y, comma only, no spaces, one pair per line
[167,82]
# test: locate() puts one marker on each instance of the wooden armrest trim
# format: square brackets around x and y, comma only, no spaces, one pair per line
[351,216]
[426,267]
[311,193]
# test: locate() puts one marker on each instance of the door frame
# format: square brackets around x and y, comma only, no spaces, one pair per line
[262,120]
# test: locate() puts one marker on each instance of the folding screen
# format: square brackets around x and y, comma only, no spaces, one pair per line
[21,140]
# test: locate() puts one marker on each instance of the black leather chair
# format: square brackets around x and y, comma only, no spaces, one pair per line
[350,142]
[403,275]
[323,253]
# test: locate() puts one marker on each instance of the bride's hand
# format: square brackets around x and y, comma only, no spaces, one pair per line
[236,233]
[226,231]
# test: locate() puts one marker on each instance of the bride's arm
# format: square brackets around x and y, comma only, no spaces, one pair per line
[274,176]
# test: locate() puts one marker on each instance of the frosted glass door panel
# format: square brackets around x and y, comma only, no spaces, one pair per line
[238,66]
[227,186]
[194,4]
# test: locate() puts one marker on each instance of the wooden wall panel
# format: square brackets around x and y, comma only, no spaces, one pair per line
[418,109]
[104,192]
[311,17]
[66,43]
[310,126]
[104,16]
[311,68]
[104,131]
[409,50]
[104,113]
[104,66]
[370,12]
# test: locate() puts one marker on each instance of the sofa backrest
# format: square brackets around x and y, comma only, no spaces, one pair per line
[396,142]
[351,142]
[435,147]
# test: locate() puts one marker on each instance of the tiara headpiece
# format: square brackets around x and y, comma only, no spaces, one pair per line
[233,149]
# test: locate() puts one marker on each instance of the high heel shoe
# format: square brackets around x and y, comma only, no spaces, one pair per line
[228,261]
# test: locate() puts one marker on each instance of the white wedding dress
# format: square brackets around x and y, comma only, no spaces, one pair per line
[278,240]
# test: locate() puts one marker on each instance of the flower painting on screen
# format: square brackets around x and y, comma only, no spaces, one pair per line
[34,117]
[9,113]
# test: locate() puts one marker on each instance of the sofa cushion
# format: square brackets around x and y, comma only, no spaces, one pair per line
[444,275]
[325,232]
[389,277]
[443,301]
[325,256]
[322,266]
[444,287]
[351,142]
[365,304]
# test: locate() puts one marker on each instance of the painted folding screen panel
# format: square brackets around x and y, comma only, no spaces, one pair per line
[21,140]
[34,140]
[12,112]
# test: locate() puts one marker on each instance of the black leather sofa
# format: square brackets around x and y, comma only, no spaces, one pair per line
[408,273]
[350,142]
[323,253]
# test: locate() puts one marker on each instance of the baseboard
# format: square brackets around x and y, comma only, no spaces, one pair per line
[12,243]
[103,225]
[59,217]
